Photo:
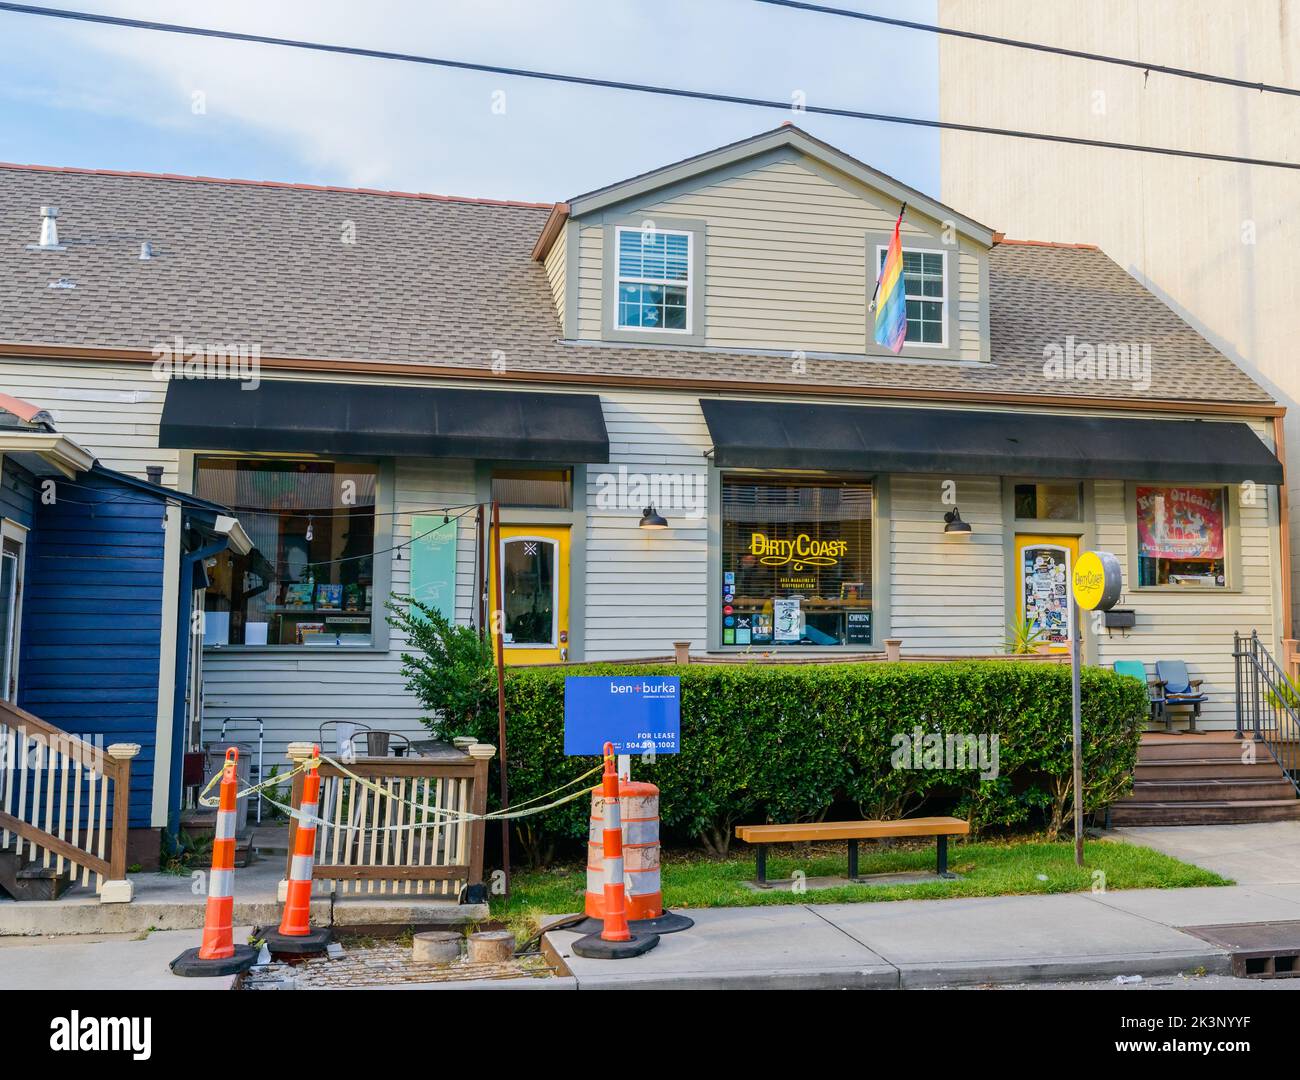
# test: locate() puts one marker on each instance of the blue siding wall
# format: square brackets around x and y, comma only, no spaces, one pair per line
[92,619]
[17,491]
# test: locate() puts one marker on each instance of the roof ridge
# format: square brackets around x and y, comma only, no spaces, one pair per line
[1048,244]
[279,184]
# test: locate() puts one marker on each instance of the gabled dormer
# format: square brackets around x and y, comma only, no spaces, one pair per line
[769,244]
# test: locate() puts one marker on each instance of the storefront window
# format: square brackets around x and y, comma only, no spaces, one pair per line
[796,563]
[309,579]
[1049,502]
[1180,536]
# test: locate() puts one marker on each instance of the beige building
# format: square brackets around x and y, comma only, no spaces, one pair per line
[671,387]
[1215,241]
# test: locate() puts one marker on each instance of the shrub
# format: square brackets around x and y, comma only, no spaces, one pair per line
[448,668]
[788,742]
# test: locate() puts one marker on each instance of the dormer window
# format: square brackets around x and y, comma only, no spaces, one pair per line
[925,284]
[654,279]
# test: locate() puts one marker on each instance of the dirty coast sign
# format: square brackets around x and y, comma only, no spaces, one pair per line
[637,713]
[803,550]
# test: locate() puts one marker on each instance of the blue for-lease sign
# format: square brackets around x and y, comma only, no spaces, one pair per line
[634,712]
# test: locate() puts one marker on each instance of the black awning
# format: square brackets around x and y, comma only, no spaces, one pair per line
[389,421]
[782,435]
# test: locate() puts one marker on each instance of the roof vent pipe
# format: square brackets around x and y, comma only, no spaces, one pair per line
[154,473]
[146,251]
[49,231]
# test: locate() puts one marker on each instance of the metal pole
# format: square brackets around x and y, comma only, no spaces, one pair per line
[1076,707]
[1237,657]
[500,628]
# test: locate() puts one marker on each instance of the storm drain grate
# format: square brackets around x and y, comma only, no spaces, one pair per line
[1263,950]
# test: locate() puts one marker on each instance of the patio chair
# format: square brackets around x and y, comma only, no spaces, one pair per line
[1138,670]
[1179,690]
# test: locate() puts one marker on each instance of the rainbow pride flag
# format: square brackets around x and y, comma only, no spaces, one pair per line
[891,301]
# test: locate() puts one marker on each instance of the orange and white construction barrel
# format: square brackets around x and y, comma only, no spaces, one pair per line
[296,936]
[218,954]
[616,940]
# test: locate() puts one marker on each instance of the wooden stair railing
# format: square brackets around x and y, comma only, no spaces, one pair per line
[58,792]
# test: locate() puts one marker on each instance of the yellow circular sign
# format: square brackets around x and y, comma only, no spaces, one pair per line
[1097,580]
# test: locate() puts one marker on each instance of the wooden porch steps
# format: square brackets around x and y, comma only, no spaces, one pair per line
[1205,779]
[23,878]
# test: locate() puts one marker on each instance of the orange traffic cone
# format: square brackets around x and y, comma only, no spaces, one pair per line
[296,937]
[616,941]
[218,954]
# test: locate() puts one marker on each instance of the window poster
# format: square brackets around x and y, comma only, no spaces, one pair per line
[433,564]
[787,619]
[1045,584]
[744,629]
[859,628]
[1180,523]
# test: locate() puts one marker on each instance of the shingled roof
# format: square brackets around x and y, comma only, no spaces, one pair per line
[446,283]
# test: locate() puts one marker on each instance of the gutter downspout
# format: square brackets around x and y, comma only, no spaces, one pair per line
[184,635]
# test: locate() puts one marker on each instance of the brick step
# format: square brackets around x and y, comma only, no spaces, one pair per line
[1212,789]
[1205,812]
[1197,749]
[1204,769]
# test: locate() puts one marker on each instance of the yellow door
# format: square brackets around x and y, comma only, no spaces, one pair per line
[535,616]
[1043,568]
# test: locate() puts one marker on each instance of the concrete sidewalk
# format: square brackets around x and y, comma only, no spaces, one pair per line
[913,944]
[118,962]
[1266,853]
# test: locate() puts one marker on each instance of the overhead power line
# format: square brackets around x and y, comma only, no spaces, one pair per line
[1058,50]
[640,88]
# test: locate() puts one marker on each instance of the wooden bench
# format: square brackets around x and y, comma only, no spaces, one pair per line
[939,827]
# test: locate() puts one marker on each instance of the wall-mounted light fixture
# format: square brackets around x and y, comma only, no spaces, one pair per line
[652,519]
[954,528]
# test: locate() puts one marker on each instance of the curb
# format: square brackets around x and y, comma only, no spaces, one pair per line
[54,918]
[1060,969]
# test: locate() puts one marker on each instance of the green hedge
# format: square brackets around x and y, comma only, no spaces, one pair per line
[787,742]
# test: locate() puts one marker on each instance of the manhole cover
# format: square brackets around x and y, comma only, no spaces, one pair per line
[1263,950]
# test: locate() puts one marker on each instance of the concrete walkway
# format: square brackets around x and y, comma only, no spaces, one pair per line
[1267,853]
[934,943]
[121,962]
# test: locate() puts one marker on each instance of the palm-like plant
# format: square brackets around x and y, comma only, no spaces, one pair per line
[1023,637]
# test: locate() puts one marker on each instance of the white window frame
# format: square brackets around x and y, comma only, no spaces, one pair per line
[947,291]
[619,279]
[554,544]
[13,531]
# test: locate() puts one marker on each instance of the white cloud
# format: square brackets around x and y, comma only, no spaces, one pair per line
[371,122]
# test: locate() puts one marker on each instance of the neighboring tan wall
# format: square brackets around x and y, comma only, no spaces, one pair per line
[1216,241]
[786,261]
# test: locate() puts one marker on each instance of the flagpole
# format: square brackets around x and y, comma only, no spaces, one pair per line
[874,292]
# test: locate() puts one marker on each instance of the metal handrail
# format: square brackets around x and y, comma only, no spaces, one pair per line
[1268,703]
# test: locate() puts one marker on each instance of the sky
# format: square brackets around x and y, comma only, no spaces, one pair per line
[105,97]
